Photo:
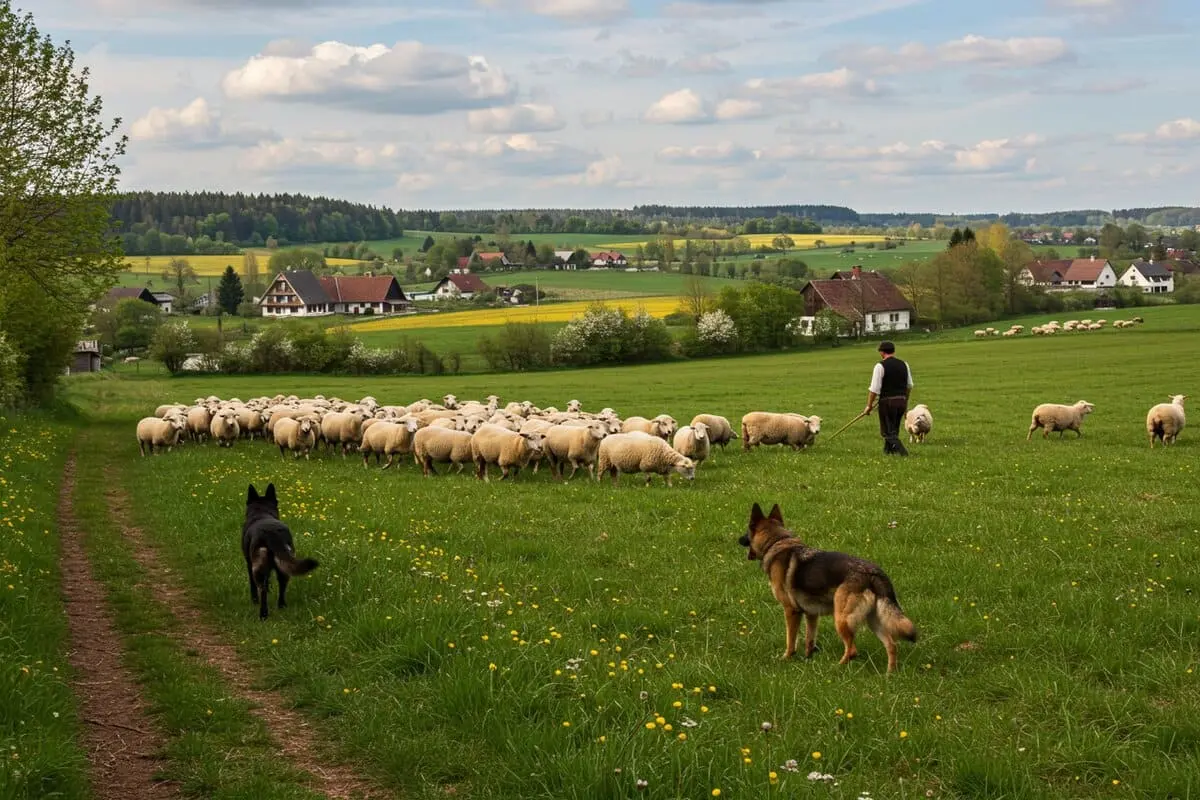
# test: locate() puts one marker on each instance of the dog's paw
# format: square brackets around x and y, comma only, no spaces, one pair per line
[786,657]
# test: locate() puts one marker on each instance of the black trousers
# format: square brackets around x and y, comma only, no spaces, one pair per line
[891,418]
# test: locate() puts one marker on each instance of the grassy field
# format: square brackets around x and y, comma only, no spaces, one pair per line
[602,284]
[542,640]
[801,241]
[551,312]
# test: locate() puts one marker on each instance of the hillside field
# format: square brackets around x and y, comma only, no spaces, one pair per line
[533,639]
[550,312]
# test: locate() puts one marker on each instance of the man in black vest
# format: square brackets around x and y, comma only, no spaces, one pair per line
[891,383]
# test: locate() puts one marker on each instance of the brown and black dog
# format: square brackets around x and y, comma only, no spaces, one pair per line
[816,583]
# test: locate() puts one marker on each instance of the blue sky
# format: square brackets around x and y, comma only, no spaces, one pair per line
[882,105]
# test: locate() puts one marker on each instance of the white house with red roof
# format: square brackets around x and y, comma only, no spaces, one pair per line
[459,285]
[609,258]
[300,293]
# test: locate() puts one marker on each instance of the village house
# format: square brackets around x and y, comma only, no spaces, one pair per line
[493,259]
[164,300]
[865,298]
[118,293]
[1042,274]
[1074,274]
[562,259]
[459,285]
[1181,266]
[1151,278]
[608,259]
[300,293]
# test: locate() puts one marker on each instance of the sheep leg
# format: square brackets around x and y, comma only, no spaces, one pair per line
[366,458]
[282,451]
[613,472]
[481,469]
[391,457]
[427,467]
[574,469]
[142,448]
[667,478]
[648,477]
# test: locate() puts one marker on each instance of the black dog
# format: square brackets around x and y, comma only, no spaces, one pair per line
[267,545]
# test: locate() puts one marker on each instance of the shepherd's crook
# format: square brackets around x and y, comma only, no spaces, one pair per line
[848,424]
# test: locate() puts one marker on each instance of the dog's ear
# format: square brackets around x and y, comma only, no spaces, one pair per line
[776,514]
[251,494]
[756,515]
[270,495]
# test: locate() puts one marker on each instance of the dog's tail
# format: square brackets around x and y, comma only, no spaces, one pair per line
[293,566]
[887,608]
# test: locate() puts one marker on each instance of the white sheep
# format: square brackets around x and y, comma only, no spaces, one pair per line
[692,441]
[198,420]
[577,446]
[343,428]
[654,427]
[298,435]
[641,452]
[1055,417]
[168,408]
[1165,420]
[389,438]
[509,450]
[980,334]
[155,432]
[442,446]
[224,427]
[720,431]
[765,427]
[918,422]
[574,406]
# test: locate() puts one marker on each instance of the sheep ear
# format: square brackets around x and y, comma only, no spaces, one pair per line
[251,494]
[756,515]
[270,495]
[775,514]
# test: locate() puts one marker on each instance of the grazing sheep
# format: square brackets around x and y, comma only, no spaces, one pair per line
[654,427]
[574,406]
[641,452]
[342,428]
[224,427]
[438,445]
[577,446]
[155,432]
[509,450]
[980,334]
[693,442]
[719,430]
[1054,417]
[764,427]
[198,420]
[297,435]
[162,411]
[389,438]
[918,422]
[1165,420]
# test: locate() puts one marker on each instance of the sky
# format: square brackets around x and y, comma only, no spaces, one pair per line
[945,106]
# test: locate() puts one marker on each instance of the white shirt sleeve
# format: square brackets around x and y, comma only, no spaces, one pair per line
[876,379]
[909,371]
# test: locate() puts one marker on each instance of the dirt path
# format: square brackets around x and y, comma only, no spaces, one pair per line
[288,728]
[120,739]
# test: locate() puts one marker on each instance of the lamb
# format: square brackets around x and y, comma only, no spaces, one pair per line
[297,435]
[641,452]
[1165,420]
[389,438]
[1061,418]
[442,446]
[764,427]
[719,430]
[575,446]
[344,428]
[509,450]
[155,432]
[693,442]
[918,422]
[224,427]
[654,427]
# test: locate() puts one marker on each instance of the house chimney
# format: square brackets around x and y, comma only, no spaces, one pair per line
[1093,257]
[855,272]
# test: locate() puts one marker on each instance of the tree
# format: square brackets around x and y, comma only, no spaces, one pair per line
[696,298]
[135,322]
[668,251]
[410,272]
[397,254]
[783,242]
[250,270]
[1112,236]
[1190,240]
[996,236]
[545,255]
[58,176]
[179,274]
[910,278]
[428,243]
[284,260]
[229,291]
[171,344]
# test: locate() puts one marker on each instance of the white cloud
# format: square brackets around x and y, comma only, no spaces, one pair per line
[194,125]
[1169,133]
[735,108]
[596,118]
[707,64]
[575,11]
[638,66]
[678,108]
[301,154]
[815,127]
[929,157]
[721,153]
[415,181]
[519,154]
[971,50]
[841,82]
[525,118]
[408,78]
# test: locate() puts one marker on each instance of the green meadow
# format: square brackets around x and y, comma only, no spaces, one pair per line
[535,639]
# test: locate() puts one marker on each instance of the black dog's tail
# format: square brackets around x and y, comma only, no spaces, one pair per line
[293,566]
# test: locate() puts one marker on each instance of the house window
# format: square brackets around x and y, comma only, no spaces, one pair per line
[894,317]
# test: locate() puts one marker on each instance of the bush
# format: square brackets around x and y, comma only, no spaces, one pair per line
[517,347]
[12,386]
[602,335]
[171,344]
[715,333]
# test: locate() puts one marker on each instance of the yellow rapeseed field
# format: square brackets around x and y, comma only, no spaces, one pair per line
[755,239]
[212,265]
[554,312]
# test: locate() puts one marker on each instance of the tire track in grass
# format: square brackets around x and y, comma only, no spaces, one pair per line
[295,737]
[120,740]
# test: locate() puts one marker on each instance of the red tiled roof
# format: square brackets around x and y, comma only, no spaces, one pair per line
[1047,271]
[489,256]
[468,282]
[464,261]
[607,255]
[1182,266]
[358,289]
[847,296]
[1084,269]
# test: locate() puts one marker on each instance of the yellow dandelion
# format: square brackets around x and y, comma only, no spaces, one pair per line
[816,755]
[677,704]
[650,726]
[566,724]
[903,734]
[492,666]
[703,709]
[716,792]
[682,737]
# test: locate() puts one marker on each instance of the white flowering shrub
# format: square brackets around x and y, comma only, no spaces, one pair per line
[605,335]
[271,350]
[716,329]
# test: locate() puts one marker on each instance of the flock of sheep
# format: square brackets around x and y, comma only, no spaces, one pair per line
[1054,326]
[1164,421]
[480,433]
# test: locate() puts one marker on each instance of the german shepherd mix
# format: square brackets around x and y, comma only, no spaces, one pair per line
[816,583]
[267,545]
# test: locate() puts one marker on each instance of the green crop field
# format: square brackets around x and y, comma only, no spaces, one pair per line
[534,639]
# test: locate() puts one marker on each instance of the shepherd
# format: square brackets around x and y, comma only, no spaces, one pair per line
[891,384]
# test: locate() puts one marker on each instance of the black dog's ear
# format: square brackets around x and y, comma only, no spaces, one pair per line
[756,515]
[251,494]
[270,495]
[775,514]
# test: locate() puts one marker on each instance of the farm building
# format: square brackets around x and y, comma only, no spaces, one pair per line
[301,293]
[86,357]
[1151,278]
[562,259]
[1075,274]
[865,298]
[164,300]
[608,259]
[1044,275]
[118,293]
[459,286]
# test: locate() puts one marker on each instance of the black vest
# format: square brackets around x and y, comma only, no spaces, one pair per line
[895,378]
